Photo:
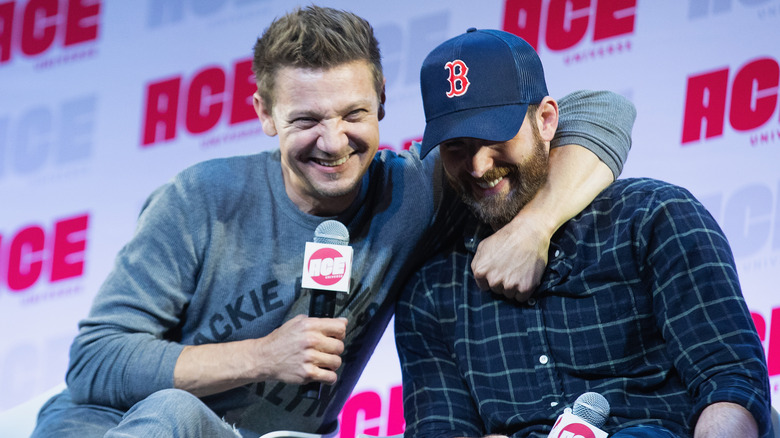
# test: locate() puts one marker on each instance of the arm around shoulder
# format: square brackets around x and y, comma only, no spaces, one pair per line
[600,121]
[589,148]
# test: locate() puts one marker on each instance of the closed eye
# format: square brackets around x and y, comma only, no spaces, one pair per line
[304,122]
[454,145]
[356,115]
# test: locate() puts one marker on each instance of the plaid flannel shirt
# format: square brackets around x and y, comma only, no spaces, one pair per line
[640,302]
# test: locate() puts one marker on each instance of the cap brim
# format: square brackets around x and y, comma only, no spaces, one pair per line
[495,123]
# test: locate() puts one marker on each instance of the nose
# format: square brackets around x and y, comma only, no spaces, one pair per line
[481,161]
[332,137]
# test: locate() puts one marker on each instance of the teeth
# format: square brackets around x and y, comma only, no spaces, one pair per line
[489,184]
[335,163]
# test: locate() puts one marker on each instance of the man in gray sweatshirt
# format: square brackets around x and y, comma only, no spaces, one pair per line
[201,327]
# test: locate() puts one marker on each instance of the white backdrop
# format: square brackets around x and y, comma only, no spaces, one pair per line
[102,101]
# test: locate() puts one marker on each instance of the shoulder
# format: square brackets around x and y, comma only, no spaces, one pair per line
[642,202]
[394,161]
[652,208]
[219,182]
[228,169]
[230,173]
[644,191]
[404,174]
[646,186]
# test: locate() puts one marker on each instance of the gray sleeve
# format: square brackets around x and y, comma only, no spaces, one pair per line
[600,121]
[121,354]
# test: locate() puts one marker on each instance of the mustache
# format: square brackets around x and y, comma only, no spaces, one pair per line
[495,173]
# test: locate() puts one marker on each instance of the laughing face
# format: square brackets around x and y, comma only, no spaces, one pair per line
[327,121]
[497,179]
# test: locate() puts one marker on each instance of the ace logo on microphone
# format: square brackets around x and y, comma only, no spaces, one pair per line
[327,267]
[572,426]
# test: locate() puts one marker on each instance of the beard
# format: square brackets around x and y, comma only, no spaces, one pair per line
[525,180]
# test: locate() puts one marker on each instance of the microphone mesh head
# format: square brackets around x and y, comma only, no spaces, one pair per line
[592,407]
[331,233]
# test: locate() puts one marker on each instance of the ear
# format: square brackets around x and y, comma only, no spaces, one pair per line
[382,97]
[264,114]
[547,118]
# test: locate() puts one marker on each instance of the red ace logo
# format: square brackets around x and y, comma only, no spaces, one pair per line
[770,331]
[576,431]
[199,103]
[754,92]
[567,21]
[459,83]
[33,253]
[569,425]
[33,28]
[327,266]
[374,414]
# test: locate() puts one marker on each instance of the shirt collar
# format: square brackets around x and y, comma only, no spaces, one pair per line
[474,232]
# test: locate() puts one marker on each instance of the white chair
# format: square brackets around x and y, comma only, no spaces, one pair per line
[19,421]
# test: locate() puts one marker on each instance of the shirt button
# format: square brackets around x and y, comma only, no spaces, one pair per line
[532,301]
[543,359]
[553,404]
[557,253]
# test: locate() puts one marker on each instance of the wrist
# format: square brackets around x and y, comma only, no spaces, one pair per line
[537,219]
[259,370]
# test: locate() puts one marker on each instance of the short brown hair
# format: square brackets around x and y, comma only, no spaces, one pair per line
[317,38]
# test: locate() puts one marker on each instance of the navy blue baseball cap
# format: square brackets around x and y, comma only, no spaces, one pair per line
[479,85]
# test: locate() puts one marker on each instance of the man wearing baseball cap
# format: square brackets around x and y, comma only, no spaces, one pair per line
[639,302]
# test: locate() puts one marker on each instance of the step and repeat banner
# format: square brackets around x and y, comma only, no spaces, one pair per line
[101,101]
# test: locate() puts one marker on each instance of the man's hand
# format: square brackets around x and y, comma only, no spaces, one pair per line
[302,350]
[512,260]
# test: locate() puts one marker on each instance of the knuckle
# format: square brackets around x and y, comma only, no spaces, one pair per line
[305,323]
[310,340]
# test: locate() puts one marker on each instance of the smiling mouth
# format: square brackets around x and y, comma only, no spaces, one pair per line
[331,163]
[489,184]
[492,177]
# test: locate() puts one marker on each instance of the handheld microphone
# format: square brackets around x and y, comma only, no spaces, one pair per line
[590,412]
[330,232]
[327,268]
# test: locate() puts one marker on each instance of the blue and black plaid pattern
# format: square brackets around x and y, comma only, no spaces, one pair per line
[640,302]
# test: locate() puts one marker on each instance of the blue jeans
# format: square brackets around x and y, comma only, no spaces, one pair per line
[166,413]
[648,431]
